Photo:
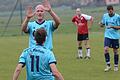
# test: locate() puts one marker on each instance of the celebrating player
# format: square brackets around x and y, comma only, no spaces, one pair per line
[40,62]
[49,25]
[81,21]
[111,21]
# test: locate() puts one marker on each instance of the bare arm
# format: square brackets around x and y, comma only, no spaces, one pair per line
[17,71]
[29,15]
[25,24]
[115,27]
[55,72]
[75,23]
[55,17]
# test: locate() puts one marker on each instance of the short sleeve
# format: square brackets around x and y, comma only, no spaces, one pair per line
[22,58]
[52,58]
[73,19]
[29,26]
[51,25]
[87,17]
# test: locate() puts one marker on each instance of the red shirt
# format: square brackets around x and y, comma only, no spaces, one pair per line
[83,29]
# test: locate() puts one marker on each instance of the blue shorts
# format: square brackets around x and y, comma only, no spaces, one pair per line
[112,43]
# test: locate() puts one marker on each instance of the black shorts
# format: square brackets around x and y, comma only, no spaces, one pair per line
[81,37]
[112,43]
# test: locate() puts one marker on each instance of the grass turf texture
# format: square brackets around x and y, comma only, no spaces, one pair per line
[65,51]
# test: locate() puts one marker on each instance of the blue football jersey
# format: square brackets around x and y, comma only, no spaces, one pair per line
[48,26]
[37,61]
[111,21]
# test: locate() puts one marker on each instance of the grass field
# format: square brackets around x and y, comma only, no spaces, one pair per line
[65,51]
[65,48]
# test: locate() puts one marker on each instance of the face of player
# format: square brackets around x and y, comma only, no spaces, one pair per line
[111,12]
[40,13]
[78,12]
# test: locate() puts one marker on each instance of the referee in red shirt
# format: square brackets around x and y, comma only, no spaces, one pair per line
[81,22]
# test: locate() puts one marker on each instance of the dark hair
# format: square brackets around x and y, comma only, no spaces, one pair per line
[109,7]
[40,36]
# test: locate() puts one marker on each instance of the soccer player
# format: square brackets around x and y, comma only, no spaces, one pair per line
[49,25]
[81,22]
[111,21]
[39,61]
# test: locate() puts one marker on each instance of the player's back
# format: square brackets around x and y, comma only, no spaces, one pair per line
[37,63]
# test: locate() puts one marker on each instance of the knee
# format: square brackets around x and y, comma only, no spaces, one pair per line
[115,51]
[80,44]
[106,49]
[87,45]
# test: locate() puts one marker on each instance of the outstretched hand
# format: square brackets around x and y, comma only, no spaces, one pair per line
[29,12]
[47,6]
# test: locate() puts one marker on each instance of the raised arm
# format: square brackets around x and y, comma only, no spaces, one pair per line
[55,72]
[55,17]
[17,71]
[29,15]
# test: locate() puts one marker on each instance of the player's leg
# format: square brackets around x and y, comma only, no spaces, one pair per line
[115,46]
[86,43]
[79,43]
[88,50]
[80,54]
[107,44]
[116,59]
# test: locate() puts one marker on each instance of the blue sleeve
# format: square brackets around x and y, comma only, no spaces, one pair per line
[22,58]
[29,27]
[52,27]
[52,58]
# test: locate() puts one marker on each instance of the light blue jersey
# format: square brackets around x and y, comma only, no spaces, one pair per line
[37,61]
[111,21]
[48,26]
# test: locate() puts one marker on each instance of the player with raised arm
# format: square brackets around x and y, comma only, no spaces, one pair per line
[40,62]
[111,21]
[81,22]
[49,25]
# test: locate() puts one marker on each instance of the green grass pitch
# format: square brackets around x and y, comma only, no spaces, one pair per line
[65,51]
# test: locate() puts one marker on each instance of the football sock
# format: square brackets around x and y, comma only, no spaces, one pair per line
[107,58]
[116,59]
[88,52]
[80,51]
